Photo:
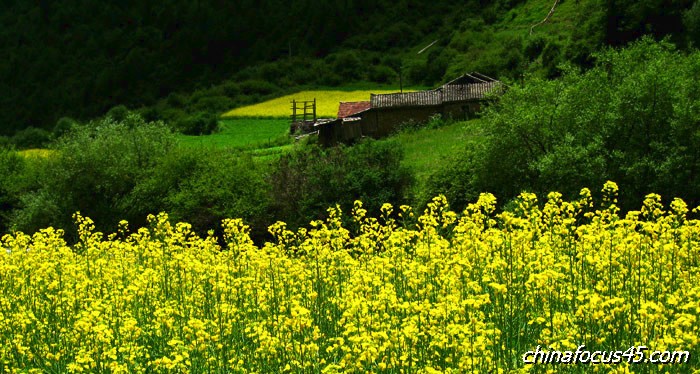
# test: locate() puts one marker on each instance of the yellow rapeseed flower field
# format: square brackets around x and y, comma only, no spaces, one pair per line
[405,293]
[327,103]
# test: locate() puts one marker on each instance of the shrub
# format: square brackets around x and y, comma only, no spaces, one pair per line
[222,185]
[534,46]
[307,181]
[213,104]
[347,64]
[204,186]
[258,87]
[691,22]
[632,118]
[383,74]
[31,137]
[92,170]
[201,123]
[118,113]
[11,167]
[63,126]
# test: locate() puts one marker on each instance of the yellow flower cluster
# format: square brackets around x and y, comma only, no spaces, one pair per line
[402,293]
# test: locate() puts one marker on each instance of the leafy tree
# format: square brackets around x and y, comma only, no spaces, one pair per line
[92,170]
[222,185]
[633,119]
[691,22]
[202,123]
[12,167]
[31,137]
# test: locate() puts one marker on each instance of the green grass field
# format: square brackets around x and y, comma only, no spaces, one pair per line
[426,148]
[243,133]
[327,102]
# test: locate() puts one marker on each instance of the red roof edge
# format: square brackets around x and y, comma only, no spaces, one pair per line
[348,109]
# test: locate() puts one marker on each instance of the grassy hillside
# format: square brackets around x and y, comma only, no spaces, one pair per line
[428,147]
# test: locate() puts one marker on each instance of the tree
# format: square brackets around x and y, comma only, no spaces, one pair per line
[633,119]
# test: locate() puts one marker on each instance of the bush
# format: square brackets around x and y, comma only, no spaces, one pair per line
[231,89]
[534,46]
[202,187]
[691,23]
[258,88]
[11,167]
[306,182]
[93,170]
[31,137]
[222,185]
[633,119]
[118,113]
[63,126]
[202,123]
[347,64]
[213,104]
[383,74]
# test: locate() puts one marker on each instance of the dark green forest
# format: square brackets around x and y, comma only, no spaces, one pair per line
[604,90]
[78,59]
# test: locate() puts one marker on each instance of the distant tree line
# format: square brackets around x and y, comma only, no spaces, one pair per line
[124,169]
[177,61]
[79,59]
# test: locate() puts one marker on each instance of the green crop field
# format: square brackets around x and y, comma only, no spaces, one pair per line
[243,133]
[327,103]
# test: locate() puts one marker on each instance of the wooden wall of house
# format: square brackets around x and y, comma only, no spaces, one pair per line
[461,110]
[387,120]
[328,133]
[381,122]
[340,131]
[351,131]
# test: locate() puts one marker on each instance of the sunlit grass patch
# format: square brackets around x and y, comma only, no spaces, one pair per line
[36,153]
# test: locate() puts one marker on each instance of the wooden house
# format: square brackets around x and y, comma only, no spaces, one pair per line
[460,98]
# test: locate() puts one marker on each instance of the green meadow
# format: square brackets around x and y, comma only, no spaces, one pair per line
[248,133]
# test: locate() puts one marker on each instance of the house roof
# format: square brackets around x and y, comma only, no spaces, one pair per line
[467,87]
[348,109]
[470,78]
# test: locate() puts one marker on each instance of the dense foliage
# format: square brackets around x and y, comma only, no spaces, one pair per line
[633,118]
[439,293]
[177,59]
[308,181]
[76,58]
[126,169]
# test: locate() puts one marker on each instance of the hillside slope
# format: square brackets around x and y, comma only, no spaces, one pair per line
[173,59]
